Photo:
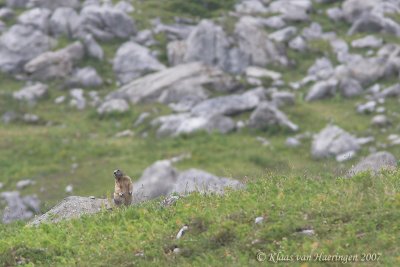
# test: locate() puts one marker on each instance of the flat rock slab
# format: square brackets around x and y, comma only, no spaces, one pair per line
[72,207]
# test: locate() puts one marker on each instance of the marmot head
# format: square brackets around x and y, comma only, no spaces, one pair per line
[118,174]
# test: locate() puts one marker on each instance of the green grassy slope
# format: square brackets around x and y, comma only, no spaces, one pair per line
[349,216]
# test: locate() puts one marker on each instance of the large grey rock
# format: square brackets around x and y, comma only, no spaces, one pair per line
[322,89]
[18,207]
[85,77]
[208,43]
[282,98]
[113,106]
[368,22]
[284,35]
[367,70]
[322,68]
[292,10]
[176,51]
[57,64]
[17,3]
[254,45]
[274,22]
[54,4]
[391,91]
[38,18]
[298,44]
[183,96]
[173,31]
[186,123]
[200,181]
[350,88]
[132,61]
[151,87]
[267,115]
[375,163]
[93,49]
[64,21]
[77,99]
[380,121]
[71,208]
[250,7]
[20,44]
[6,13]
[31,93]
[333,141]
[353,9]
[156,180]
[369,41]
[231,104]
[106,23]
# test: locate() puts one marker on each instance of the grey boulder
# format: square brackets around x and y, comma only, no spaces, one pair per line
[106,23]
[70,208]
[283,35]
[38,18]
[17,3]
[350,88]
[31,93]
[231,104]
[85,77]
[369,41]
[64,21]
[375,163]
[186,123]
[18,207]
[156,180]
[113,106]
[152,86]
[333,141]
[20,44]
[55,65]
[322,89]
[54,4]
[254,45]
[133,61]
[267,115]
[92,48]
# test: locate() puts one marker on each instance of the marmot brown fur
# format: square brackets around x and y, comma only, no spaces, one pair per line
[123,189]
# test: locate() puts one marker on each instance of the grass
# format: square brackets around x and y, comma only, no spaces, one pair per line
[349,217]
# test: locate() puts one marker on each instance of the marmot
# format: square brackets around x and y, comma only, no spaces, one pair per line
[123,189]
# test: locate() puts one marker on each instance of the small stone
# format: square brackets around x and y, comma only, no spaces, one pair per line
[367,107]
[60,99]
[69,189]
[345,156]
[142,117]
[177,250]
[126,133]
[30,118]
[92,197]
[74,166]
[292,142]
[307,232]
[182,231]
[263,141]
[259,220]
[380,121]
[24,183]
